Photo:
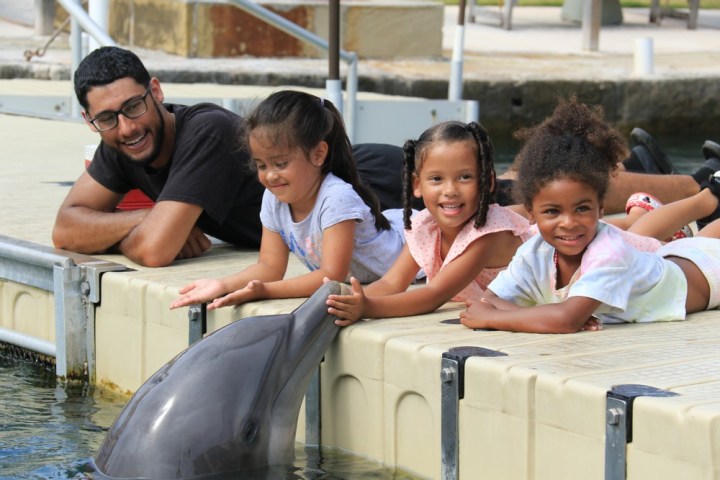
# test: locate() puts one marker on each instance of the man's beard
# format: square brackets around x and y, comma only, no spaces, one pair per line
[150,158]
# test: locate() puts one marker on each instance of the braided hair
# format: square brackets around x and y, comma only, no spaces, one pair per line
[297,119]
[415,152]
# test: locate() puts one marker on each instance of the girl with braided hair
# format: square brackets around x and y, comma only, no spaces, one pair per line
[461,240]
[314,205]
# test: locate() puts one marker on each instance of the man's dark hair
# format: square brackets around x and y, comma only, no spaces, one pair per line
[104,66]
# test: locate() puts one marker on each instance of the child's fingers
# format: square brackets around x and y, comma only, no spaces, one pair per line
[180,302]
[356,285]
[342,301]
[344,323]
[186,288]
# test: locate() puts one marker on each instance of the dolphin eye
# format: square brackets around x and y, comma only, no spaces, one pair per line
[249,432]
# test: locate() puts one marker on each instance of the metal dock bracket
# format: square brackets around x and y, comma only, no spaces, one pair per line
[74,280]
[452,390]
[618,425]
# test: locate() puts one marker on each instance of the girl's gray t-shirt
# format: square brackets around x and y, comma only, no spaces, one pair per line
[374,250]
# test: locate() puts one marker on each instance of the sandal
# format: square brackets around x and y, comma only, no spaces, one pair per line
[652,157]
[712,184]
[642,200]
[650,203]
[710,150]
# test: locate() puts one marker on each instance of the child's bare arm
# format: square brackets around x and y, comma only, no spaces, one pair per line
[567,317]
[496,301]
[271,265]
[449,281]
[337,249]
[350,308]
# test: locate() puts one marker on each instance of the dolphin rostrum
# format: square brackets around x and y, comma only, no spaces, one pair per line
[228,403]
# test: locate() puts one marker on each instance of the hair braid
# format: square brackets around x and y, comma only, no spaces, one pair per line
[408,171]
[486,170]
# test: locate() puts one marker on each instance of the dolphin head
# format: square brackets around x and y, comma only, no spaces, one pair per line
[228,403]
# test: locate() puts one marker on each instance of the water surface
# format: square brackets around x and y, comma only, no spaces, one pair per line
[51,431]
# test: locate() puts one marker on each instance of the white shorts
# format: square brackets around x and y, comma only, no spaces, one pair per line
[703,252]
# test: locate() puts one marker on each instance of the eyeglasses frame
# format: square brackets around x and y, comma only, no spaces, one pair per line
[116,113]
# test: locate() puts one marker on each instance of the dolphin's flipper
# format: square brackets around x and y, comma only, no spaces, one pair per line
[228,403]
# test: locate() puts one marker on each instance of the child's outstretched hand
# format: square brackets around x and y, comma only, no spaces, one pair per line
[348,308]
[476,313]
[200,291]
[254,290]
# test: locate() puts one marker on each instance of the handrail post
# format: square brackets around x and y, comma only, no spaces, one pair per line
[44,17]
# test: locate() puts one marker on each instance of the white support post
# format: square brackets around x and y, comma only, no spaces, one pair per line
[98,11]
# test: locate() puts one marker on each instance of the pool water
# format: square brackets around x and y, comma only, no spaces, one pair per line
[51,431]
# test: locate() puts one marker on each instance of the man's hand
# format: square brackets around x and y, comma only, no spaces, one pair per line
[196,244]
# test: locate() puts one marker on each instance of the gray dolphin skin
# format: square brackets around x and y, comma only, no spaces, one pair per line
[228,403]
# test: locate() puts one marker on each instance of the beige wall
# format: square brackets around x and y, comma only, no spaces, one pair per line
[378,29]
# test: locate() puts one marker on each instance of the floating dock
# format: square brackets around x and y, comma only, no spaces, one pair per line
[423,393]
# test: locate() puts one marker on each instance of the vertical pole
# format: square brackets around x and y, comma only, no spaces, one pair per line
[71,360]
[456,65]
[333,84]
[76,57]
[197,322]
[98,11]
[618,424]
[44,17]
[615,438]
[591,18]
[313,408]
[452,390]
[352,89]
[449,406]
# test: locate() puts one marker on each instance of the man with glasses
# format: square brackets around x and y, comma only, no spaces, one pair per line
[185,158]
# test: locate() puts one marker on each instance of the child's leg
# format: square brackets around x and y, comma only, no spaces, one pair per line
[711,230]
[663,222]
[699,259]
[698,287]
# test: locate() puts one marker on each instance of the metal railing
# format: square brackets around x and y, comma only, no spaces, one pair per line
[75,282]
[81,21]
[292,29]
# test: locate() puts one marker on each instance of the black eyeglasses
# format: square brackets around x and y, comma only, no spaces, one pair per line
[132,109]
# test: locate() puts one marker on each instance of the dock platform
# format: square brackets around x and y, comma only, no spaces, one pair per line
[641,400]
[422,393]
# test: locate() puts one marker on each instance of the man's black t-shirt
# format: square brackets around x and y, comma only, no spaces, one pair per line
[206,169]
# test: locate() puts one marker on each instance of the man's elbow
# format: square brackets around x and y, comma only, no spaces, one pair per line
[153,258]
[63,239]
[58,239]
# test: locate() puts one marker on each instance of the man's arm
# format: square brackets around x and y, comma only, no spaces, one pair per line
[88,223]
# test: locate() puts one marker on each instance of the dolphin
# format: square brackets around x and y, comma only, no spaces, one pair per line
[228,403]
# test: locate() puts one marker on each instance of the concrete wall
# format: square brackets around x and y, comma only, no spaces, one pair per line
[377,29]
